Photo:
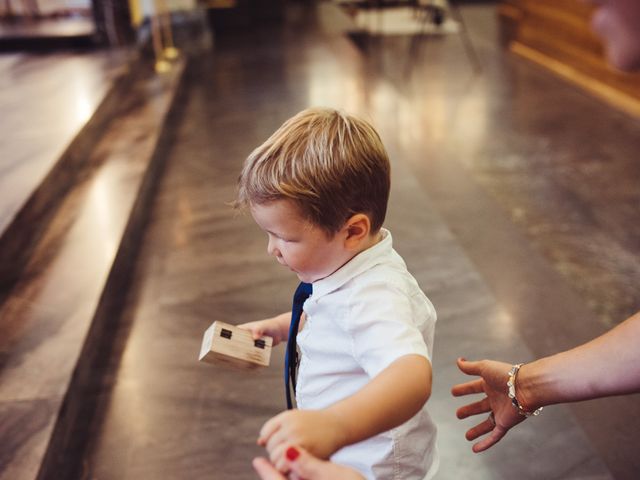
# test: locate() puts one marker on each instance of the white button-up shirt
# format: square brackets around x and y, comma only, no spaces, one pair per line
[359,320]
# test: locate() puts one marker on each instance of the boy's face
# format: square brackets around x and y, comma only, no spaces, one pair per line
[299,244]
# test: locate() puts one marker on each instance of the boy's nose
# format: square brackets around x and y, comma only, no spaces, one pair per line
[271,249]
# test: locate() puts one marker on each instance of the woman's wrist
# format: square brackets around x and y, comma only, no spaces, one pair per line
[512,393]
[522,390]
[525,389]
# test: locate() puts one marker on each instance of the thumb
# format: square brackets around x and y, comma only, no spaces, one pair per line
[257,332]
[468,367]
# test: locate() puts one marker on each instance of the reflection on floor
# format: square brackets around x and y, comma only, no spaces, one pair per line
[45,102]
[515,214]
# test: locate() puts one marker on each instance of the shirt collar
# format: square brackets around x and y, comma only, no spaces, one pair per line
[360,263]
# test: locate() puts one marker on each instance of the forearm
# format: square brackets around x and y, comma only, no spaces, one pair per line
[282,321]
[607,365]
[391,398]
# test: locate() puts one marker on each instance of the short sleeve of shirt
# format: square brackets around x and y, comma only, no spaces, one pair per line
[383,327]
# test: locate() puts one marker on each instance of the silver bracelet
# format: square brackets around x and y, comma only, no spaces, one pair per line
[511,392]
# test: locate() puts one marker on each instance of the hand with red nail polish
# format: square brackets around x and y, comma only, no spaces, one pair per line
[292,453]
[301,465]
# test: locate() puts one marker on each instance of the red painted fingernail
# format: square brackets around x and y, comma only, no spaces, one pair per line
[292,453]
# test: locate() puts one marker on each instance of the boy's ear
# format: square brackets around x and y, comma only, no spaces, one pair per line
[358,228]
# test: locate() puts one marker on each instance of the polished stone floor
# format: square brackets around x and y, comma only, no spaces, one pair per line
[514,202]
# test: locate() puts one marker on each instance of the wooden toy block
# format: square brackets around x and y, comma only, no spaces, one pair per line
[227,344]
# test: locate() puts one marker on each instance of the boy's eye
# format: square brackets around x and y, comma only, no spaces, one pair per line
[284,239]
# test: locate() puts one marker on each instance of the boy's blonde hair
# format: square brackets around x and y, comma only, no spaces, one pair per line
[332,165]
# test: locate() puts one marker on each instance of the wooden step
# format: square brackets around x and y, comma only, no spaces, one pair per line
[65,296]
[55,109]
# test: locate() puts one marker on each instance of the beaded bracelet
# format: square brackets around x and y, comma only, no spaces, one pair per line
[511,392]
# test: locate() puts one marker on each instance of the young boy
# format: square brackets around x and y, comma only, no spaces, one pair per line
[319,188]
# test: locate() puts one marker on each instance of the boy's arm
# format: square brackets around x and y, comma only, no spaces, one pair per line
[392,397]
[276,327]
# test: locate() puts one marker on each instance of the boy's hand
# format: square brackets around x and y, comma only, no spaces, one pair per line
[276,328]
[320,432]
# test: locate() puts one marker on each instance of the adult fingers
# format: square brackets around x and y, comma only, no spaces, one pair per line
[265,470]
[474,408]
[482,428]
[490,441]
[468,367]
[468,388]
[305,465]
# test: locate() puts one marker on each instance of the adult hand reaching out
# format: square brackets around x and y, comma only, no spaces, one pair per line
[607,365]
[493,383]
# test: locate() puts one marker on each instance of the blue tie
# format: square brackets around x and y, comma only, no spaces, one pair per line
[291,356]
